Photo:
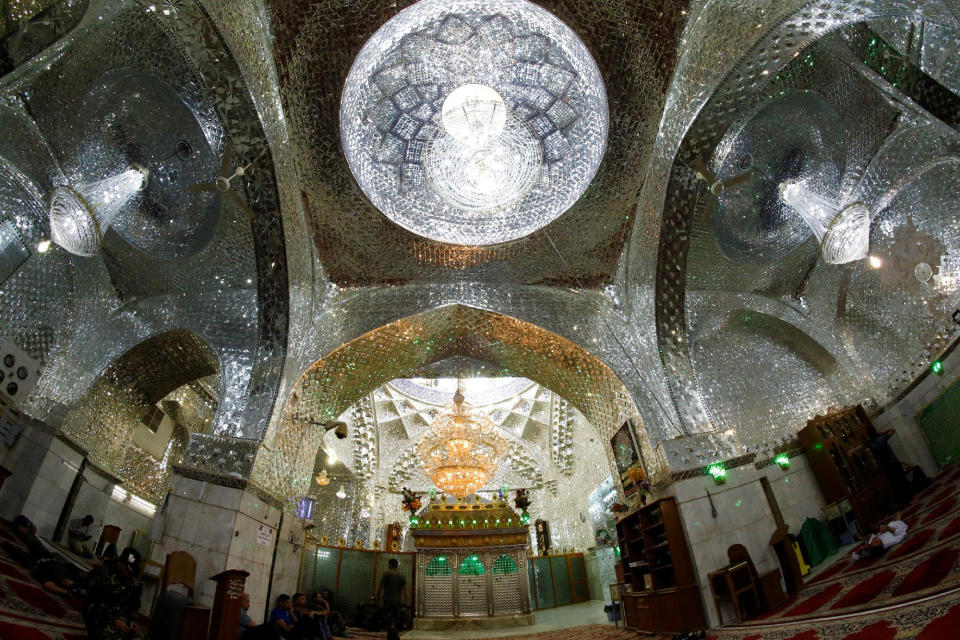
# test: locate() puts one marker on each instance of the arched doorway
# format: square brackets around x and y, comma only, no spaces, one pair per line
[285,461]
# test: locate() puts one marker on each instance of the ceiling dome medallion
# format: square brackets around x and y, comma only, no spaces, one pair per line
[473,121]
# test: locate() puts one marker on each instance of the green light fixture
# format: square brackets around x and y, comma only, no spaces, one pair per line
[524,518]
[414,521]
[937,367]
[718,473]
[783,460]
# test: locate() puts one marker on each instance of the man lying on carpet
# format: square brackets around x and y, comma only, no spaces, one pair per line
[59,577]
[26,533]
[882,539]
[55,574]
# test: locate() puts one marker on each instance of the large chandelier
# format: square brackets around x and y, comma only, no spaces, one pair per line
[462,449]
[474,122]
[79,217]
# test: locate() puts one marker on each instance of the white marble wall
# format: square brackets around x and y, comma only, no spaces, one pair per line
[43,471]
[743,516]
[93,497]
[221,528]
[909,443]
[247,553]
[128,519]
[286,571]
[601,572]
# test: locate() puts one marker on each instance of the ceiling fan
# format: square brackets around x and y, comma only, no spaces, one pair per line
[224,179]
[716,186]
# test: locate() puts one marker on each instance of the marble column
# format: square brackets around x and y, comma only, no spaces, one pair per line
[229,527]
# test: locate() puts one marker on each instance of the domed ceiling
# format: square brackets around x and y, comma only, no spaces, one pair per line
[634,46]
[473,122]
[639,212]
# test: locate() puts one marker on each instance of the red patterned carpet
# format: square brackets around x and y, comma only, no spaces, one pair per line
[912,592]
[27,612]
[590,632]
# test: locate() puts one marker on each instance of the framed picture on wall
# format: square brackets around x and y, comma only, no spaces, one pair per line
[626,453]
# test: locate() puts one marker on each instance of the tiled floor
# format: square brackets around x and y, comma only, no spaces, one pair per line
[575,615]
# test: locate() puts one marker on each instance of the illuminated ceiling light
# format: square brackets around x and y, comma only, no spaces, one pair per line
[718,473]
[508,136]
[332,458]
[462,450]
[341,493]
[876,262]
[473,115]
[948,279]
[80,217]
[844,234]
[43,246]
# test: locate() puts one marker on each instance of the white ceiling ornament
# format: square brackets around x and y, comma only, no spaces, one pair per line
[843,231]
[474,122]
[80,217]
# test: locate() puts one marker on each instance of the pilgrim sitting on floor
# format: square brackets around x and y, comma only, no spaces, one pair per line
[882,539]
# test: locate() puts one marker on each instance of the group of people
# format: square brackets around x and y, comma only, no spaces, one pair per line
[109,593]
[299,618]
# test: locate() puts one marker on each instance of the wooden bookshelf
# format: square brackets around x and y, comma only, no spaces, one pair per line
[837,447]
[661,593]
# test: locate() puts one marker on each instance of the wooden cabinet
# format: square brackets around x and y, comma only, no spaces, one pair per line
[661,588]
[837,447]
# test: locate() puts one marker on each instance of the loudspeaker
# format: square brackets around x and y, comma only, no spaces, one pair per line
[18,372]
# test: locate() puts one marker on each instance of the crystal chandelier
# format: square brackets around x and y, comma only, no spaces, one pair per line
[79,217]
[474,122]
[462,449]
[843,233]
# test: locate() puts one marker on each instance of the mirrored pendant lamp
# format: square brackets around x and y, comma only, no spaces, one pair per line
[80,216]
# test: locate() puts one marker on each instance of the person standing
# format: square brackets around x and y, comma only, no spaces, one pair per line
[392,595]
[880,446]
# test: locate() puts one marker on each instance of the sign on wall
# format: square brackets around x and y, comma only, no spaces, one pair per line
[265,535]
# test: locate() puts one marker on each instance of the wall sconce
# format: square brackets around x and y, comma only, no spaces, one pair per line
[718,473]
[783,460]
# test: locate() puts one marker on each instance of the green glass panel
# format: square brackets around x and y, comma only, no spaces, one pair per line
[356,580]
[472,566]
[940,422]
[307,569]
[561,581]
[439,566]
[533,585]
[578,575]
[541,567]
[325,569]
[505,564]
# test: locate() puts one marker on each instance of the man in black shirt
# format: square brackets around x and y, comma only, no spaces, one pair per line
[113,598]
[393,596]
